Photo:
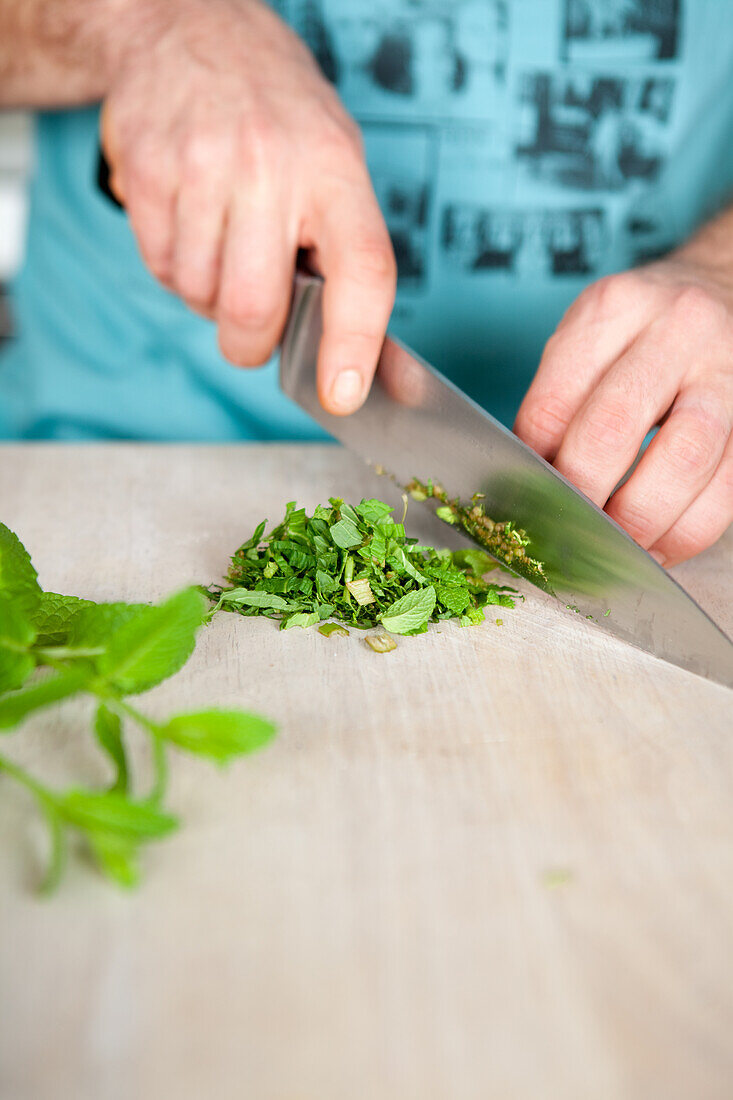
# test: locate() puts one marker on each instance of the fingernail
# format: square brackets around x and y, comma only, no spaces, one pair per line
[660,558]
[346,391]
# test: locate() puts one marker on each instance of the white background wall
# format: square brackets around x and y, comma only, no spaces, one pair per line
[15,165]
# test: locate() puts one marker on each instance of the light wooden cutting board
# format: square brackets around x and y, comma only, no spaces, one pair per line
[497,862]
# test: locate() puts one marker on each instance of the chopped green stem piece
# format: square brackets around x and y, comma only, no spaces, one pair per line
[160,765]
[328,630]
[361,591]
[21,776]
[57,855]
[380,643]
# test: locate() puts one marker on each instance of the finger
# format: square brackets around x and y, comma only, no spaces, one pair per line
[676,467]
[576,357]
[200,221]
[355,254]
[604,437]
[707,518]
[256,281]
[148,175]
[143,177]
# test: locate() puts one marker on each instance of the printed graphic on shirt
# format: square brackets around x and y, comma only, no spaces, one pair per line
[593,132]
[523,242]
[647,233]
[403,159]
[416,59]
[608,31]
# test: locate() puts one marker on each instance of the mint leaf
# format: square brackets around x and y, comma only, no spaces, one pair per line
[301,618]
[474,616]
[115,857]
[54,616]
[153,644]
[371,511]
[113,815]
[243,597]
[15,706]
[454,597]
[478,561]
[345,534]
[18,578]
[218,734]
[92,624]
[410,612]
[16,635]
[108,729]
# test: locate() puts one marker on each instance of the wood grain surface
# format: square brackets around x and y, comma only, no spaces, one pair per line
[495,863]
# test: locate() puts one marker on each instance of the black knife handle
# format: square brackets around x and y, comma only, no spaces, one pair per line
[104,174]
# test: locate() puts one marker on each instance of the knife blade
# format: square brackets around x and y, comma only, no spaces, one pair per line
[415,424]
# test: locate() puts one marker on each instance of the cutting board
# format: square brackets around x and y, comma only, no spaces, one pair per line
[497,862]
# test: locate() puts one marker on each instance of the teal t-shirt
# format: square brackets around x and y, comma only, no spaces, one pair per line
[520,149]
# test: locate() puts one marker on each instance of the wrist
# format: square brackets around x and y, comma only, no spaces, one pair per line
[709,253]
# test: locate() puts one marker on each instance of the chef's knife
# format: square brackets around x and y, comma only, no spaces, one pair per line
[417,425]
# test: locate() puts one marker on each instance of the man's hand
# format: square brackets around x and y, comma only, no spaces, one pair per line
[230,152]
[653,346]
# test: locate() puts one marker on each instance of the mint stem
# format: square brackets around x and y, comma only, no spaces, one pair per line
[44,796]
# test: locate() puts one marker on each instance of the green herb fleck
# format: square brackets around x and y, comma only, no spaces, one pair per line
[504,541]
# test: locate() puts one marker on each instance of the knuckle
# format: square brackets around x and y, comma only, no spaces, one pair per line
[725,473]
[196,290]
[608,426]
[202,152]
[693,306]
[691,443]
[374,258]
[146,175]
[684,541]
[635,518]
[249,307]
[259,142]
[340,138]
[544,419]
[611,294]
[156,252]
[160,266]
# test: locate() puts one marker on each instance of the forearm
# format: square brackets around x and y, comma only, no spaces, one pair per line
[56,53]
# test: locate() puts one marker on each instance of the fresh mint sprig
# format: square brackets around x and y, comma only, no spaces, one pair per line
[53,647]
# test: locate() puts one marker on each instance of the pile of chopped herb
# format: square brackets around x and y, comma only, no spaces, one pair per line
[504,540]
[356,565]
